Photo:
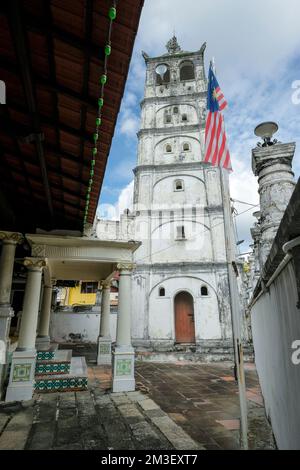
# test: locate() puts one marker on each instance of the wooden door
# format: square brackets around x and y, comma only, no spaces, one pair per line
[184,318]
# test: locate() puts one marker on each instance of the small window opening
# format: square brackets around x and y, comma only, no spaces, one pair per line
[180,232]
[186,147]
[168,148]
[162,292]
[204,290]
[175,110]
[178,185]
[184,117]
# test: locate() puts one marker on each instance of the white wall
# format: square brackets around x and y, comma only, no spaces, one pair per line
[275,325]
[86,324]
[161,309]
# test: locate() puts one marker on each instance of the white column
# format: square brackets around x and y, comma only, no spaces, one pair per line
[105,310]
[104,339]
[7,258]
[21,381]
[123,363]
[31,304]
[43,329]
[124,308]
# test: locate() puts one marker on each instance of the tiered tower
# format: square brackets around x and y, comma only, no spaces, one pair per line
[180,286]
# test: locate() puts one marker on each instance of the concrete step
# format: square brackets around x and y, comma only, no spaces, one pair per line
[75,380]
[60,364]
[45,352]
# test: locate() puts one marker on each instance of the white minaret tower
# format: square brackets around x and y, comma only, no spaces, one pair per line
[180,286]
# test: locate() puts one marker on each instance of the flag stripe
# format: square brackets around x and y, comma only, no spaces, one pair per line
[216,151]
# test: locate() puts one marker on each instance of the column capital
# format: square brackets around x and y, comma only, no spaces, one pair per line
[123,266]
[12,238]
[105,284]
[34,264]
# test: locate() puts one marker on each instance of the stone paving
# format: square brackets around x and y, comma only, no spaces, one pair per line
[90,420]
[177,406]
[203,400]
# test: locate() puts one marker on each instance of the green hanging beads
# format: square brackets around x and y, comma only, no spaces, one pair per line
[98,121]
[107,49]
[112,13]
[100,102]
[95,136]
[93,163]
[103,79]
[92,172]
[94,151]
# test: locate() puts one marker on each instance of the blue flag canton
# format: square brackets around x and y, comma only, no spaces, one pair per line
[212,102]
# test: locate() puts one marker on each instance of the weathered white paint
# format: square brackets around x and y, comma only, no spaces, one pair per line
[275,326]
[62,325]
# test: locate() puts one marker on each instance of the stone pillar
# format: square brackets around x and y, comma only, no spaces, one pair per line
[273,166]
[104,339]
[123,355]
[7,259]
[21,381]
[43,337]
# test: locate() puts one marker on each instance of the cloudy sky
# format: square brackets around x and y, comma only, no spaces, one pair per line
[256,46]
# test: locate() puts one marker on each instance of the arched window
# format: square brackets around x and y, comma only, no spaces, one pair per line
[178,185]
[175,110]
[161,80]
[168,148]
[187,70]
[184,117]
[204,290]
[186,147]
[162,292]
[168,117]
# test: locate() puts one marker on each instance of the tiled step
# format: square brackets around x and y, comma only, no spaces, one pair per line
[46,353]
[60,364]
[76,380]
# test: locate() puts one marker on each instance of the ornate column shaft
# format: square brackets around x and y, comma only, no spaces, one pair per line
[104,339]
[123,364]
[31,304]
[7,258]
[273,166]
[21,380]
[43,329]
[105,310]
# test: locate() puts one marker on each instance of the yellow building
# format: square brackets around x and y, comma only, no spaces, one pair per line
[82,294]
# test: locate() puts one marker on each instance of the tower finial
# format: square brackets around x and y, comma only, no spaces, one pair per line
[173,46]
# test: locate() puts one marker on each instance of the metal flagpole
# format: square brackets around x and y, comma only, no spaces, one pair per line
[235,308]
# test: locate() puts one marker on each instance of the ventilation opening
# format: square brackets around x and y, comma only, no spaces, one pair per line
[186,147]
[184,117]
[168,148]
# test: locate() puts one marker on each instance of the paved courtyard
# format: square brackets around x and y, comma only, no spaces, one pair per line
[176,406]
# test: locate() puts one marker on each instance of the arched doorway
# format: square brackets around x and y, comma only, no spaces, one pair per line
[184,318]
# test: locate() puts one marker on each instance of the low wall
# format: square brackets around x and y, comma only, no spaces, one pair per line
[275,323]
[79,327]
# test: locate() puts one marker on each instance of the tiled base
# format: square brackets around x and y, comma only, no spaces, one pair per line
[123,370]
[104,351]
[21,380]
[74,381]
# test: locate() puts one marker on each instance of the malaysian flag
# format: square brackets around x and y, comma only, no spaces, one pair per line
[216,151]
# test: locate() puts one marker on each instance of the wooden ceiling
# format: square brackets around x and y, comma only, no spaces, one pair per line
[51,59]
